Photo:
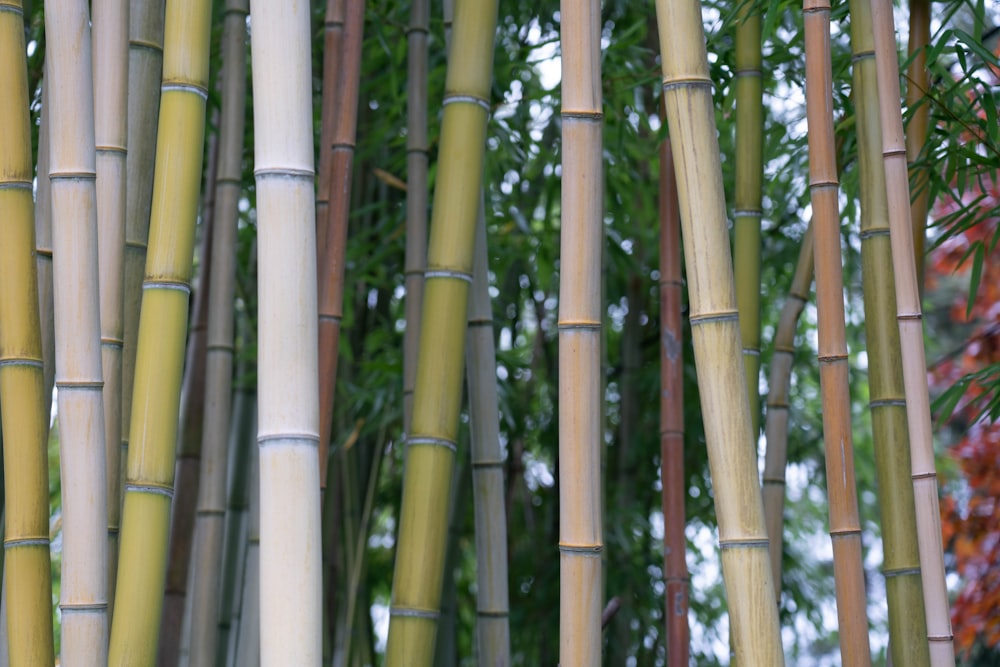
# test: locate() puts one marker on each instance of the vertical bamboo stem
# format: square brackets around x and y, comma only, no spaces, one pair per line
[288,428]
[910,321]
[845,527]
[43,255]
[248,631]
[715,335]
[919,82]
[83,593]
[27,584]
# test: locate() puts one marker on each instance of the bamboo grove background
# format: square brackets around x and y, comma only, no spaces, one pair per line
[367,56]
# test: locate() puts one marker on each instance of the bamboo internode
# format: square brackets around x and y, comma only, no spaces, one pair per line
[918,85]
[28,581]
[910,322]
[715,335]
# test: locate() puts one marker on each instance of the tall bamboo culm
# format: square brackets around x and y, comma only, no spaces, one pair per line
[845,527]
[492,604]
[431,441]
[901,560]
[211,509]
[43,255]
[776,423]
[27,583]
[687,91]
[672,416]
[83,593]
[918,84]
[247,639]
[910,321]
[111,22]
[580,317]
[288,427]
[747,213]
[162,333]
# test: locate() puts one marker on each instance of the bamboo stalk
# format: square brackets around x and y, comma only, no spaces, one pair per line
[776,424]
[432,438]
[43,256]
[211,509]
[910,322]
[845,527]
[111,22]
[919,83]
[27,579]
[83,593]
[333,48]
[580,317]
[715,335]
[288,430]
[901,564]
[748,206]
[162,328]
[248,632]
[675,571]
[492,603]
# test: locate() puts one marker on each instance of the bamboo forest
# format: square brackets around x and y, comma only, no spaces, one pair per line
[358,332]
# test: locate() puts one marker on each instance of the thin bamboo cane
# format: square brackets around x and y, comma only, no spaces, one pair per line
[417,152]
[333,47]
[43,255]
[910,320]
[492,604]
[776,424]
[248,632]
[919,82]
[288,430]
[845,527]
[211,510]
[162,327]
[331,285]
[675,571]
[111,21]
[446,643]
[27,585]
[901,562]
[432,438]
[715,335]
[748,206]
[580,316]
[83,593]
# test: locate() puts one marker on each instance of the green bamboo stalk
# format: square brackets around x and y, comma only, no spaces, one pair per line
[247,635]
[910,322]
[83,592]
[918,84]
[288,428]
[27,582]
[715,335]
[901,563]
[162,333]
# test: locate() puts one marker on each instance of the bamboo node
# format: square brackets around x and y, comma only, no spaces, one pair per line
[748,213]
[894,152]
[44,253]
[14,9]
[568,325]
[910,316]
[143,44]
[481,322]
[303,438]
[491,613]
[16,185]
[115,343]
[132,245]
[72,176]
[153,489]
[924,475]
[831,358]
[180,87]
[940,638]
[709,318]
[686,82]
[80,608]
[592,550]
[457,98]
[414,613]
[444,273]
[862,55]
[778,405]
[844,532]
[744,543]
[774,481]
[333,319]
[589,116]
[82,384]
[417,29]
[749,71]
[887,403]
[15,542]
[753,352]
[413,441]
[901,572]
[120,150]
[168,285]
[284,172]
[228,180]
[871,233]
[20,361]
[488,464]
[217,347]
[824,185]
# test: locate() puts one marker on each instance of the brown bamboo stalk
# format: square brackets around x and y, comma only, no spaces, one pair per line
[918,84]
[247,638]
[43,254]
[672,478]
[333,38]
[910,320]
[845,527]
[715,335]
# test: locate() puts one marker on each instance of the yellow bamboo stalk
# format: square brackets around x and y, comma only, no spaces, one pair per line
[288,430]
[580,317]
[83,593]
[910,321]
[431,441]
[845,527]
[162,333]
[715,335]
[211,508]
[901,563]
[27,580]
[918,84]
[111,19]
[776,424]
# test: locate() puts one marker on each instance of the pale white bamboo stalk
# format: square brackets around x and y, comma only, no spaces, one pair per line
[83,593]
[911,336]
[43,249]
[288,430]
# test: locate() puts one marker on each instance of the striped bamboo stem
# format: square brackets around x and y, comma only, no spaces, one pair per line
[162,332]
[776,424]
[27,584]
[901,564]
[672,415]
[288,427]
[211,508]
[715,335]
[83,592]
[432,438]
[918,84]
[910,322]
